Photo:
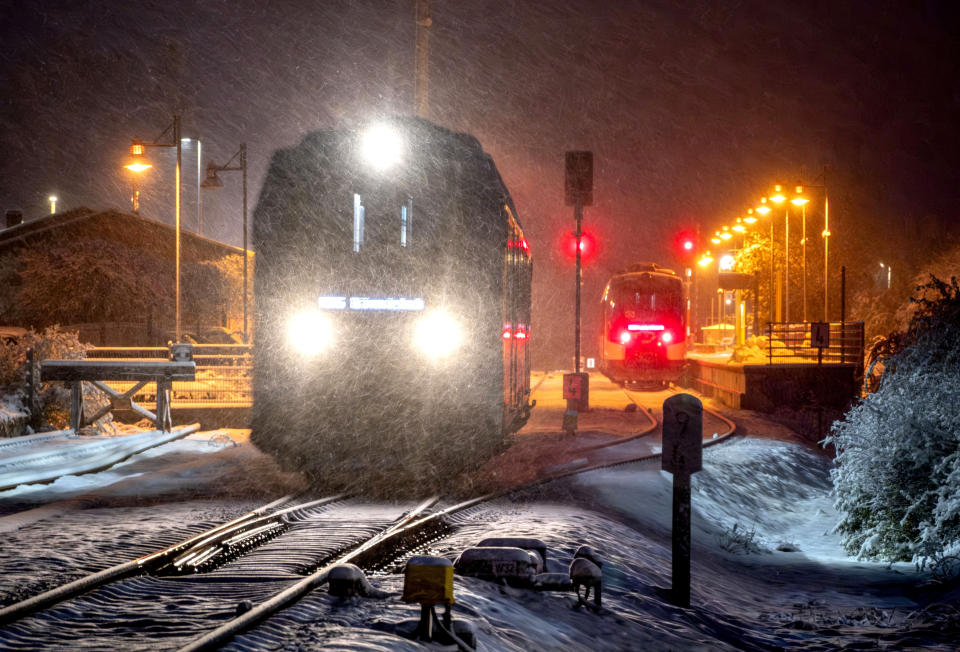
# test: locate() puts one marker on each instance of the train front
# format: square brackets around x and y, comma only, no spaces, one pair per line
[643,330]
[377,348]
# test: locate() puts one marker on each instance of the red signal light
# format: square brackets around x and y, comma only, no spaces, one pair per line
[686,245]
[588,246]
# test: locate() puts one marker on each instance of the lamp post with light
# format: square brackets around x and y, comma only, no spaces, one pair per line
[801,201]
[764,210]
[213,181]
[777,197]
[53,203]
[139,164]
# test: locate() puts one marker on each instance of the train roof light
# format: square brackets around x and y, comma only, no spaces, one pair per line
[381,146]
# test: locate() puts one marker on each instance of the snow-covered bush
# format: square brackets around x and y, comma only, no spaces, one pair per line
[897,475]
[53,400]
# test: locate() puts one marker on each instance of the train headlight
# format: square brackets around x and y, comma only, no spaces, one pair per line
[625,337]
[381,146]
[437,334]
[310,332]
[667,337]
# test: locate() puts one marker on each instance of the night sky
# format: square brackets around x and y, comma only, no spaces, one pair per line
[692,111]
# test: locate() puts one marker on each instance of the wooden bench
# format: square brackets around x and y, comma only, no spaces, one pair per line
[98,372]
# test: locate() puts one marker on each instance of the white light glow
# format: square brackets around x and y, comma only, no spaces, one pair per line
[625,337]
[381,146]
[332,303]
[727,262]
[310,332]
[397,303]
[438,334]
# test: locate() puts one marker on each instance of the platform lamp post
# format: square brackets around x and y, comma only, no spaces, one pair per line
[213,181]
[139,164]
[802,201]
[777,197]
[825,234]
[764,210]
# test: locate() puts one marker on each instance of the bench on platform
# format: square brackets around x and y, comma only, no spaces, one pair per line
[98,372]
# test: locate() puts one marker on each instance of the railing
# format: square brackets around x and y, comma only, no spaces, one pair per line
[790,343]
[224,374]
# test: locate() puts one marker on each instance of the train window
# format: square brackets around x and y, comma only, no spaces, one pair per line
[406,221]
[358,211]
[651,296]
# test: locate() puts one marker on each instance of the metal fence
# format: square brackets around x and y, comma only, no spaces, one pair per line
[790,343]
[224,375]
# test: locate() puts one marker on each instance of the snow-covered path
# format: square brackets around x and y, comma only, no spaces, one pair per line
[46,457]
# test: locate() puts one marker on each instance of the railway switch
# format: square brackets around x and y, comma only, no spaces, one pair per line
[428,580]
[587,574]
[586,552]
[514,566]
[527,543]
[348,581]
[552,582]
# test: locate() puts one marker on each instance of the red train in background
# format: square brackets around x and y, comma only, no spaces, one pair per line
[643,338]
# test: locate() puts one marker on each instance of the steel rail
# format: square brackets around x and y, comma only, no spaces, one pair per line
[406,532]
[151,562]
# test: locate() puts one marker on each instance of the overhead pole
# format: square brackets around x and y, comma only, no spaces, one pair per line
[422,60]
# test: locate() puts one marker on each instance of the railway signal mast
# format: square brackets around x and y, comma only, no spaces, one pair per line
[578,192]
[422,60]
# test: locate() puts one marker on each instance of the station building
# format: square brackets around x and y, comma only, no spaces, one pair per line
[110,275]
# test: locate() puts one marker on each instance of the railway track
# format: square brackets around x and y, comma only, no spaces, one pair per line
[639,447]
[236,576]
[270,557]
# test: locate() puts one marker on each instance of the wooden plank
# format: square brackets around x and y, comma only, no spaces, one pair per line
[75,370]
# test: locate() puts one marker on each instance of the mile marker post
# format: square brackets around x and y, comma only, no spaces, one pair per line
[682,456]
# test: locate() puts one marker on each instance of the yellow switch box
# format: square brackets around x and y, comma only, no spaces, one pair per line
[428,580]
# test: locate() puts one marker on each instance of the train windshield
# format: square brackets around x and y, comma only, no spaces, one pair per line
[650,297]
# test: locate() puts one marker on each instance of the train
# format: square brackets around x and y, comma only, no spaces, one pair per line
[392,308]
[643,333]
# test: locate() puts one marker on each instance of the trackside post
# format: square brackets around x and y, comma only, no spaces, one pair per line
[682,456]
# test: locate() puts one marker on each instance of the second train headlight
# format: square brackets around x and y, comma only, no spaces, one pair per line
[310,332]
[437,334]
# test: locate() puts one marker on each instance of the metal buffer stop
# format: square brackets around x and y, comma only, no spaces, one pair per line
[682,456]
[140,372]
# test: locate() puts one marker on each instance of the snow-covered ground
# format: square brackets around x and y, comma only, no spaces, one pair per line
[746,594]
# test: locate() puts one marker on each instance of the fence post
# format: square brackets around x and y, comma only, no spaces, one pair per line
[769,342]
[843,313]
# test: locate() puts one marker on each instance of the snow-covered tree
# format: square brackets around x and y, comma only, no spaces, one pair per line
[897,475]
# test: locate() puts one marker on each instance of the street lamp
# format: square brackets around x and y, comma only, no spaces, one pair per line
[801,201]
[200,177]
[138,164]
[53,203]
[779,198]
[213,181]
[889,269]
[764,210]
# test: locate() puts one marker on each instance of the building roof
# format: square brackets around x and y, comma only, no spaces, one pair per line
[127,228]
